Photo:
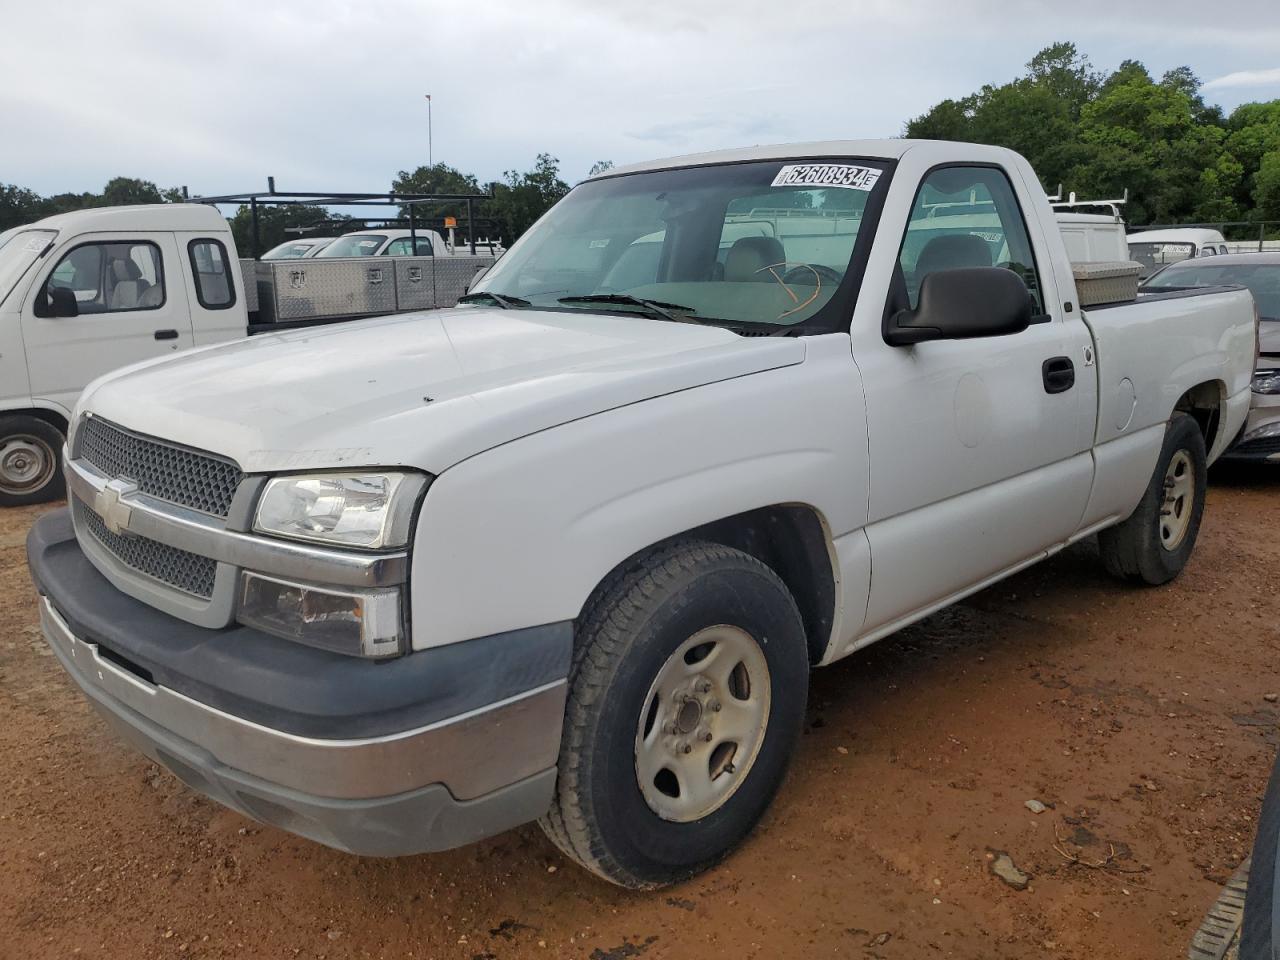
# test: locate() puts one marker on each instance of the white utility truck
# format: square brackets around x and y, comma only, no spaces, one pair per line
[568,552]
[87,292]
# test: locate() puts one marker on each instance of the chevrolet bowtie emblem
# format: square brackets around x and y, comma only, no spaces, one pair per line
[109,504]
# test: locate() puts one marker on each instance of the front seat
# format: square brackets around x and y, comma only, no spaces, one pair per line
[749,256]
[952,251]
[129,289]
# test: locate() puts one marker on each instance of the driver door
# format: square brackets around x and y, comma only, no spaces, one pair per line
[977,458]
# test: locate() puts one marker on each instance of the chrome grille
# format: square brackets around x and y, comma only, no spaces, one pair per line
[184,571]
[188,478]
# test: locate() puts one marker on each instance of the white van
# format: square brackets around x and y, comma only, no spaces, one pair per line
[1159,248]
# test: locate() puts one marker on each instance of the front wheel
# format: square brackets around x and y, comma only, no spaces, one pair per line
[1155,543]
[29,461]
[686,700]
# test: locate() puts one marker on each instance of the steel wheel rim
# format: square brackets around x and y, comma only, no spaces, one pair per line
[26,463]
[1179,499]
[702,723]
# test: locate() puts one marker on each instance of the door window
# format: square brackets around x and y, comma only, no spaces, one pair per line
[966,217]
[209,267]
[110,277]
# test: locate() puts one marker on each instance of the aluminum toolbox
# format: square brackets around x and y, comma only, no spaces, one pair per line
[1111,281]
[310,288]
[289,290]
[424,283]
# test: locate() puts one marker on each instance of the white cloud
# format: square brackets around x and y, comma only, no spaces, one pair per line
[1246,78]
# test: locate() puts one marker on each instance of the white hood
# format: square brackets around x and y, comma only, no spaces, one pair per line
[424,390]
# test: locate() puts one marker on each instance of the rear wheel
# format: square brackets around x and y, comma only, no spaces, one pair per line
[29,461]
[687,697]
[1154,544]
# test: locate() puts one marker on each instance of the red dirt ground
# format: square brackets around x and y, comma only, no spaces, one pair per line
[1138,716]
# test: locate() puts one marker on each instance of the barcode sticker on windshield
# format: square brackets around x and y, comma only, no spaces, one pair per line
[843,175]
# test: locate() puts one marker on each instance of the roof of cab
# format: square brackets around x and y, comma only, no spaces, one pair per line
[871,149]
[140,217]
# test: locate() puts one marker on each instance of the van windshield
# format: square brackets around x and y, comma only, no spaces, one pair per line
[1153,256]
[19,249]
[762,242]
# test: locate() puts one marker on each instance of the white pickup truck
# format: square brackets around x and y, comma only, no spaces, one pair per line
[567,553]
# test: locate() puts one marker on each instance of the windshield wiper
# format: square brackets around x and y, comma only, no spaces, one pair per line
[658,308]
[501,299]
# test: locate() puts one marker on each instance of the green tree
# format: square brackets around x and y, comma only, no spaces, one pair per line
[1098,134]
[440,178]
[122,191]
[274,223]
[1266,189]
[521,198]
[600,166]
[19,206]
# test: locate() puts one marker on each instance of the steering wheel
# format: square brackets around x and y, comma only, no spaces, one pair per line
[805,271]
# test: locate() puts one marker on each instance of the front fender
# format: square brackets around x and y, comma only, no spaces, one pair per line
[520,535]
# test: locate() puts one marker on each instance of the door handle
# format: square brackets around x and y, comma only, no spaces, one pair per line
[166,334]
[1059,374]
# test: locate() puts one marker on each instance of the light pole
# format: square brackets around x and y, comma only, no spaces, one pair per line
[430,159]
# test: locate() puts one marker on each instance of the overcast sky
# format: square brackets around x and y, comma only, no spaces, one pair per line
[329,95]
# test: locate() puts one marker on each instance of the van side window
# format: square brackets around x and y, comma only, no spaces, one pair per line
[109,277]
[210,268]
[965,217]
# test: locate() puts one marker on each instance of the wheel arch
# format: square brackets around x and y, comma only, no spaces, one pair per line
[1205,403]
[792,539]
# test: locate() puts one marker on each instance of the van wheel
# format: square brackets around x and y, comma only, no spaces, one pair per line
[1154,544]
[687,696]
[29,462]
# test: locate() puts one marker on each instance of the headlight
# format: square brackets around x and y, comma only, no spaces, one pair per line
[360,623]
[1266,381]
[369,510]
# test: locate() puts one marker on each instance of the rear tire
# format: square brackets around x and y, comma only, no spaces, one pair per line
[686,699]
[1154,544]
[30,461]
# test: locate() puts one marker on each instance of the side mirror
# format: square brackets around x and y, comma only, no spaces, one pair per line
[62,302]
[961,303]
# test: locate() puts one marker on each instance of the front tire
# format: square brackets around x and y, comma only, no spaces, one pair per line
[30,461]
[686,700]
[1155,543]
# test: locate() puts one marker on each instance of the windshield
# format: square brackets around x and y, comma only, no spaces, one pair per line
[765,242]
[290,250]
[1153,256]
[1262,279]
[364,245]
[18,250]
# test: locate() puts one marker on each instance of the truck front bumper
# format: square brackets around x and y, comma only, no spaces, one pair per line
[241,718]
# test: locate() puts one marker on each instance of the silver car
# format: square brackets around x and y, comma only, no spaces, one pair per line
[1260,272]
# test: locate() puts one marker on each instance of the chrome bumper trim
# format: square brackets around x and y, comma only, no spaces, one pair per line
[472,754]
[206,536]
